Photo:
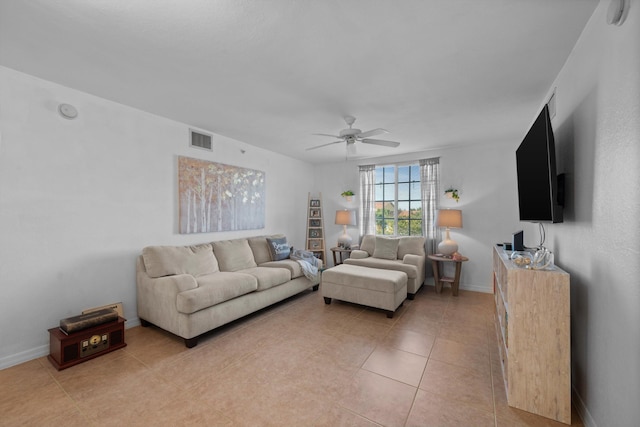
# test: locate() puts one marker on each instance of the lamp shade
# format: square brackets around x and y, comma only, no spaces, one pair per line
[450,218]
[346,217]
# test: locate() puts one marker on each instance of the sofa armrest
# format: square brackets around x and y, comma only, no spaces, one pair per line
[419,262]
[358,254]
[170,285]
[157,298]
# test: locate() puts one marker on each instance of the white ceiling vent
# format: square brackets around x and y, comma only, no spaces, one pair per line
[200,140]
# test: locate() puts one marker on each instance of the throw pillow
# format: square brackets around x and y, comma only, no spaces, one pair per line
[260,249]
[410,245]
[278,248]
[162,261]
[386,248]
[234,255]
[368,244]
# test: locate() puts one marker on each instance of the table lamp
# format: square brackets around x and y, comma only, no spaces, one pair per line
[448,218]
[345,217]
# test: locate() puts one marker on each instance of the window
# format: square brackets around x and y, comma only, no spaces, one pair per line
[398,201]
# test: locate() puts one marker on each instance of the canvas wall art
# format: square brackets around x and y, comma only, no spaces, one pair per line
[218,197]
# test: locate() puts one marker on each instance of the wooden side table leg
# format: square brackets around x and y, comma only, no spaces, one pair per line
[436,277]
[456,279]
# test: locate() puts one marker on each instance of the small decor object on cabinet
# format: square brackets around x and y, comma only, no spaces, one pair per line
[521,259]
[452,193]
[315,227]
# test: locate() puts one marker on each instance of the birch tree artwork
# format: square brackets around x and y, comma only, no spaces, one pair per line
[218,197]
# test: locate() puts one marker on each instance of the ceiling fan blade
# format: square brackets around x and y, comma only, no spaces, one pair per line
[324,145]
[381,142]
[326,134]
[373,132]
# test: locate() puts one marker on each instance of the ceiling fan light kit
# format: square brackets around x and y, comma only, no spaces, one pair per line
[350,136]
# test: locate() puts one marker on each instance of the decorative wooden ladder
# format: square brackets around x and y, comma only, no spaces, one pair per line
[315,227]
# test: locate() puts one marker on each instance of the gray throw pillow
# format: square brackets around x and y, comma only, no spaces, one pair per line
[278,248]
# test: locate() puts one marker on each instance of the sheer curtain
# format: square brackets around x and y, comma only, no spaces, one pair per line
[367,200]
[430,189]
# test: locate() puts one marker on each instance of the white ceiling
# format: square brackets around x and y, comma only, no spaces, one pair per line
[273,72]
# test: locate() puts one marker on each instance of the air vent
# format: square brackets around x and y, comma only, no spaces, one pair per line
[200,140]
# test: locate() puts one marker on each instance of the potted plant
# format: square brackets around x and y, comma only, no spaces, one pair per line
[452,193]
[348,194]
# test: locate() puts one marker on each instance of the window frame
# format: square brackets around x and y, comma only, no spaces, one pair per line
[410,201]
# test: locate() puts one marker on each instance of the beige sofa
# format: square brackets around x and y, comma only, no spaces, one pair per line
[189,290]
[405,254]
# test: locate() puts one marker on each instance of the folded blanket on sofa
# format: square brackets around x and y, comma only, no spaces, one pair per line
[309,264]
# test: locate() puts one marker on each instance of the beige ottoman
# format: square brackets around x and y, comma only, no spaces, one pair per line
[373,287]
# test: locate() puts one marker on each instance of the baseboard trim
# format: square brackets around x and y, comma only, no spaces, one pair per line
[477,288]
[24,356]
[582,410]
[132,323]
[43,350]
[429,281]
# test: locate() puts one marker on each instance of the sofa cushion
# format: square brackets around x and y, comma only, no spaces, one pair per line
[214,289]
[385,264]
[386,248]
[162,261]
[368,244]
[413,245]
[279,249]
[234,255]
[260,248]
[291,265]
[371,279]
[268,277]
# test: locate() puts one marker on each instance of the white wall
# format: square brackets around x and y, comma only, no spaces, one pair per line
[485,175]
[79,199]
[597,129]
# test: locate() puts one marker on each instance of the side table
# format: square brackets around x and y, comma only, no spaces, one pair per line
[439,276]
[341,255]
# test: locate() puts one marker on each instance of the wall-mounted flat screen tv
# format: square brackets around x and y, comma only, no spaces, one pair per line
[540,189]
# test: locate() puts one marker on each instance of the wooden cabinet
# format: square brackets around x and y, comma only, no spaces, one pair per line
[315,227]
[532,324]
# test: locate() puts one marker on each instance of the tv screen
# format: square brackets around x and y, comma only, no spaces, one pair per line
[538,188]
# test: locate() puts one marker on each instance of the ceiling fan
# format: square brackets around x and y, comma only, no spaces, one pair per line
[351,136]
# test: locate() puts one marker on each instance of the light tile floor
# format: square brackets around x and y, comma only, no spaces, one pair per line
[298,363]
